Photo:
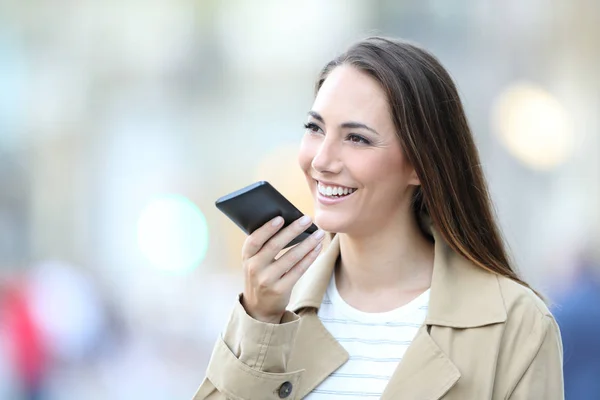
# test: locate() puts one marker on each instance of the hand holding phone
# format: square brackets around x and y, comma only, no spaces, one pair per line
[269,281]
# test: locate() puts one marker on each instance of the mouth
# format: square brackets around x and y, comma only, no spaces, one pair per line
[332,191]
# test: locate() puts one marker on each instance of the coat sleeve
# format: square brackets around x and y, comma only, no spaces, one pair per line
[249,360]
[543,378]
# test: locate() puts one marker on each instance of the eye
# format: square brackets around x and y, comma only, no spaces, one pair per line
[312,127]
[354,138]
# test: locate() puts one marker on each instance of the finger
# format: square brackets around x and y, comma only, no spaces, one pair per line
[276,243]
[278,268]
[297,254]
[295,273]
[259,237]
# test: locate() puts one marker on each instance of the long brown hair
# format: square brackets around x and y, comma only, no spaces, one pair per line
[436,139]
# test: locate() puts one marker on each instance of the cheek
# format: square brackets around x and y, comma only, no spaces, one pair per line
[398,175]
[387,171]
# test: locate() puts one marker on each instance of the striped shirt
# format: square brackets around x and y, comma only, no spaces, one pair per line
[376,343]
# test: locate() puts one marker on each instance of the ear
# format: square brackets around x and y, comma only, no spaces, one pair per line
[414,179]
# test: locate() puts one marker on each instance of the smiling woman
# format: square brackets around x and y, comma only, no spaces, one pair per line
[415,297]
[351,142]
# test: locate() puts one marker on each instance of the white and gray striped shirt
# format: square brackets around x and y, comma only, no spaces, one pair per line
[376,342]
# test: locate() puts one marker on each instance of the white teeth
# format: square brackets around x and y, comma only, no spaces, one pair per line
[334,190]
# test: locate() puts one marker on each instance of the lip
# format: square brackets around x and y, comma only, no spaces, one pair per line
[328,201]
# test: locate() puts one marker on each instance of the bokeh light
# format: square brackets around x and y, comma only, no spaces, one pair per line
[67,309]
[533,125]
[172,233]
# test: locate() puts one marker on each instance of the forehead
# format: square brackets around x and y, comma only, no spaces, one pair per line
[350,94]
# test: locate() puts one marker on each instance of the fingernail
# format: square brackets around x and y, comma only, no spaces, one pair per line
[318,248]
[277,221]
[305,220]
[319,234]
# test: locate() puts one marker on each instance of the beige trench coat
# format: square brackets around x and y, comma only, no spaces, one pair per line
[485,337]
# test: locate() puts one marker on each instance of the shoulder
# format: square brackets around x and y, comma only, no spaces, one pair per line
[520,301]
[531,338]
[529,321]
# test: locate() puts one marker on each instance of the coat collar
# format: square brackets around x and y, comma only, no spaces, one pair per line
[462,294]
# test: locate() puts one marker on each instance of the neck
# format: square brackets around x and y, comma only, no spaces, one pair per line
[396,257]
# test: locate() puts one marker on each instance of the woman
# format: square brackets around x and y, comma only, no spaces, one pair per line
[415,297]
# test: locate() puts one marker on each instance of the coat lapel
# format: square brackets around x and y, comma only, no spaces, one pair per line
[425,372]
[462,296]
[315,351]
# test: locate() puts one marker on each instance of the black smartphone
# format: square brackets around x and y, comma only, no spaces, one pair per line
[255,205]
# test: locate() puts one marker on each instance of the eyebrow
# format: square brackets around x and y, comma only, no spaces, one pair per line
[349,125]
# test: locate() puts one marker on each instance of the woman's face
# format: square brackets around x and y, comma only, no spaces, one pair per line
[352,158]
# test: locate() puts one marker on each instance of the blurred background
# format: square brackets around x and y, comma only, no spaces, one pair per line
[122,121]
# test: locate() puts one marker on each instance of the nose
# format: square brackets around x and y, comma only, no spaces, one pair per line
[328,158]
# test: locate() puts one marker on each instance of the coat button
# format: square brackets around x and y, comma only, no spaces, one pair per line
[285,390]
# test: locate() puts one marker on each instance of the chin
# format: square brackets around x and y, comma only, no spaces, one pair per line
[330,223]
